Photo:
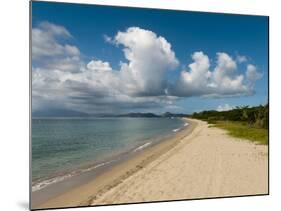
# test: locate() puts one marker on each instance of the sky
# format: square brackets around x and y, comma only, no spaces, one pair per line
[101,59]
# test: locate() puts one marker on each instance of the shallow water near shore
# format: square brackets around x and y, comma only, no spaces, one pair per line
[66,147]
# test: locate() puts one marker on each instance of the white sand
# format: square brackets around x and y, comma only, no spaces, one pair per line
[207,163]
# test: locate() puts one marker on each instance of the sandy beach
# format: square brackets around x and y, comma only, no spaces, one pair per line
[199,162]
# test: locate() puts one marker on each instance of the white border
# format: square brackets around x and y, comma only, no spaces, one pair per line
[15,103]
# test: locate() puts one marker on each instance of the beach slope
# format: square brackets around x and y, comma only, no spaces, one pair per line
[199,162]
[206,163]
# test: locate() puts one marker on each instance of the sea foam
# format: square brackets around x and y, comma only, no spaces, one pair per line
[42,184]
[176,130]
[142,146]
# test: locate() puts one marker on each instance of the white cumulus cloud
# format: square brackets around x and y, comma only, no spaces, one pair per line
[96,87]
[61,79]
[225,107]
[224,80]
[241,59]
[45,41]
[149,58]
[252,74]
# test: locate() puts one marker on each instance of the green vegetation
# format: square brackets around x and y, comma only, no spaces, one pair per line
[242,122]
[242,130]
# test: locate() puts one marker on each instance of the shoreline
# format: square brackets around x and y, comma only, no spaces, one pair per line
[85,189]
[208,164]
[199,162]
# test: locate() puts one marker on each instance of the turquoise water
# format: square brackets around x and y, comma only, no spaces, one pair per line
[61,146]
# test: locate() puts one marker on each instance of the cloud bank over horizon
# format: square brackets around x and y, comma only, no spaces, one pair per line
[61,79]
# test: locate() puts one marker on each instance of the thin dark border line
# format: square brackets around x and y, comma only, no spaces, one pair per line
[268,101]
[145,202]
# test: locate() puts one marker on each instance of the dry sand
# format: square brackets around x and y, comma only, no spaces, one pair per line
[207,163]
[199,162]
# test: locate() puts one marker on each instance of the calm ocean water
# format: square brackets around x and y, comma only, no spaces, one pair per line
[62,146]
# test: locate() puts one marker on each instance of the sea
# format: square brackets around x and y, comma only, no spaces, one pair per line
[65,147]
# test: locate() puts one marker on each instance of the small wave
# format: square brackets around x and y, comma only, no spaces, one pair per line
[142,146]
[47,182]
[185,124]
[176,130]
[97,166]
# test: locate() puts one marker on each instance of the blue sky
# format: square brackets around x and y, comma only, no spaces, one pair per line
[93,30]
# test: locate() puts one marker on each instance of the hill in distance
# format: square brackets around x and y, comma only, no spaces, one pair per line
[70,113]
